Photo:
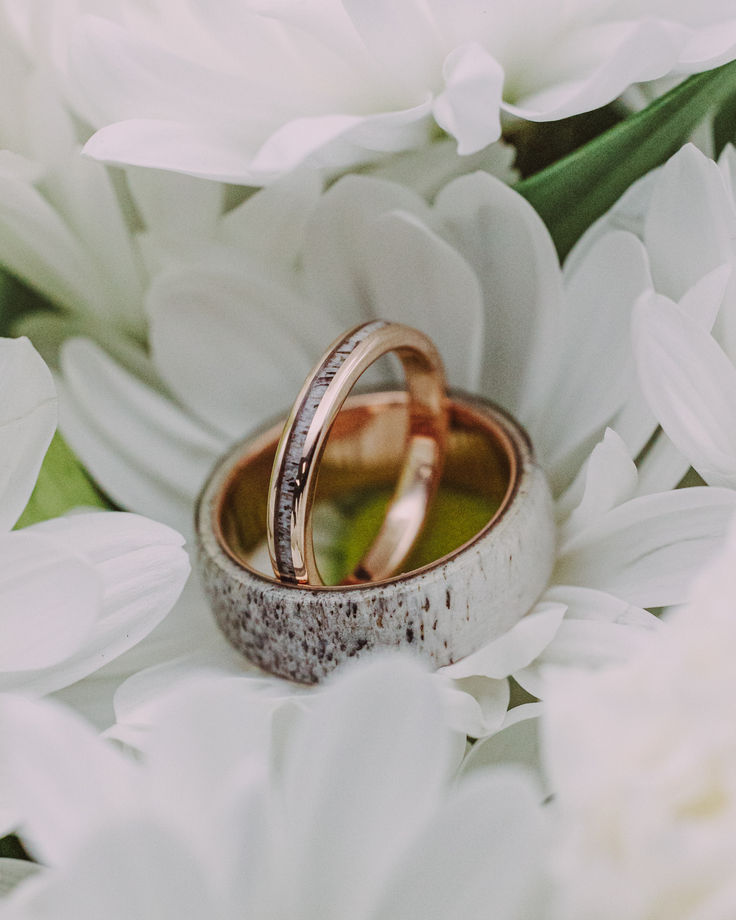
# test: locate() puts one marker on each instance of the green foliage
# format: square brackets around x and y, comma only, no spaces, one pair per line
[12,848]
[576,190]
[62,484]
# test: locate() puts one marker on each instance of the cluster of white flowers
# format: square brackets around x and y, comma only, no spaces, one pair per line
[201,197]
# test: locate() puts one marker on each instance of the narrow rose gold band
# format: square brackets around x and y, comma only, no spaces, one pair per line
[296,465]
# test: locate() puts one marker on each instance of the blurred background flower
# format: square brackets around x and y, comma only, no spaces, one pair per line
[232,813]
[640,759]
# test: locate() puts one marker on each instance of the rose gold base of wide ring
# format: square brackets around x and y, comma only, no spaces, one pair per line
[442,611]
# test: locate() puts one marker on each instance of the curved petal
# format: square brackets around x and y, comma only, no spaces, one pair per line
[233,730]
[593,65]
[271,224]
[690,385]
[502,237]
[491,868]
[200,150]
[250,338]
[599,630]
[144,451]
[38,246]
[142,568]
[27,424]
[330,791]
[647,550]
[467,106]
[50,600]
[412,276]
[594,367]
[172,205]
[515,649]
[608,479]
[476,706]
[334,242]
[125,868]
[59,797]
[13,872]
[691,222]
[156,80]
[516,743]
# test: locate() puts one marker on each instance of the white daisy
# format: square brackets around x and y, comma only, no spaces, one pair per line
[347,811]
[245,92]
[478,272]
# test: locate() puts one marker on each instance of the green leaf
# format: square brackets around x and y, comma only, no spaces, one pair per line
[12,848]
[724,125]
[574,192]
[62,485]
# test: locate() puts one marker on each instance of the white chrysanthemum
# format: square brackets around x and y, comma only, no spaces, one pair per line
[244,92]
[75,592]
[234,333]
[88,238]
[350,813]
[642,763]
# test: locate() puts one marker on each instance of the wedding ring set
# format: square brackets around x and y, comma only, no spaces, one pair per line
[335,446]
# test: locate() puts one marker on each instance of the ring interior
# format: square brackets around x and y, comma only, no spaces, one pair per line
[365,452]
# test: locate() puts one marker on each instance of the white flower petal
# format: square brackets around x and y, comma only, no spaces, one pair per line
[144,451]
[502,237]
[515,649]
[58,797]
[690,385]
[591,66]
[383,723]
[235,328]
[50,600]
[13,872]
[38,247]
[83,193]
[142,568]
[586,391]
[233,728]
[647,550]
[708,47]
[704,299]
[691,222]
[473,86]
[479,858]
[516,743]
[156,80]
[271,225]
[429,169]
[132,868]
[663,467]
[414,277]
[175,206]
[609,478]
[334,243]
[27,423]
[383,27]
[206,152]
[476,706]
[599,631]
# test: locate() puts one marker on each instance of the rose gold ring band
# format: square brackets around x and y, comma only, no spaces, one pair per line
[297,461]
